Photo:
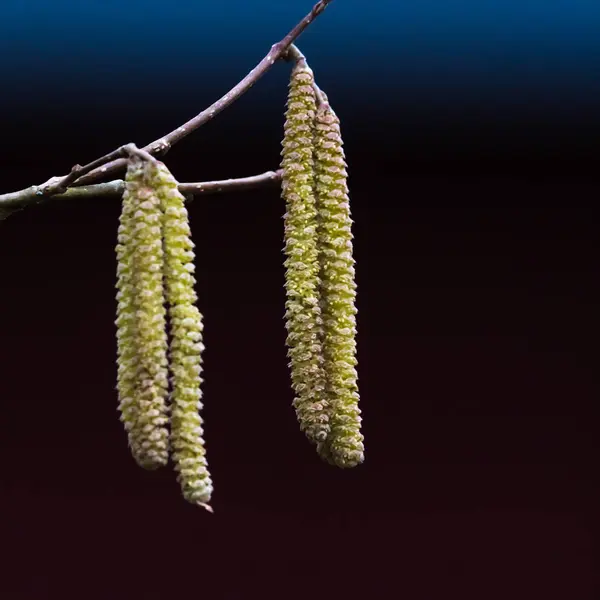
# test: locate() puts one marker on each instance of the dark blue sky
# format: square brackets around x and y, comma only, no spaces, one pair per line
[517,78]
[530,55]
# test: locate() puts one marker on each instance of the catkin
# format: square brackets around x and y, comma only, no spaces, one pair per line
[186,347]
[141,336]
[344,445]
[303,313]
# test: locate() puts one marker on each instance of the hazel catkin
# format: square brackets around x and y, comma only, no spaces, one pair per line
[141,335]
[303,313]
[344,444]
[186,346]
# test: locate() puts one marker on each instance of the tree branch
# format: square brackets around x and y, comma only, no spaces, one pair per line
[164,144]
[82,177]
[59,185]
[113,189]
[231,185]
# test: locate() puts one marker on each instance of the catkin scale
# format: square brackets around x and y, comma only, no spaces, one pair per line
[344,445]
[303,313]
[141,336]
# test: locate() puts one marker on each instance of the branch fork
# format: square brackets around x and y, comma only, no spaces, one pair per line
[78,182]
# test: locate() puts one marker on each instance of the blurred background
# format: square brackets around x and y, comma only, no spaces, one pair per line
[471,131]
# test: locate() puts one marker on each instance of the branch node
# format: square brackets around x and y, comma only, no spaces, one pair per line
[133,150]
[162,146]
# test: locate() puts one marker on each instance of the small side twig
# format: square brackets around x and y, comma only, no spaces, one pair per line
[231,185]
[163,144]
[59,185]
[114,189]
[82,177]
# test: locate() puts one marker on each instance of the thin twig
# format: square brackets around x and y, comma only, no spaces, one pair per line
[114,189]
[163,144]
[133,150]
[231,185]
[59,185]
[81,177]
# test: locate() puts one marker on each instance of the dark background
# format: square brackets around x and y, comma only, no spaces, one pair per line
[471,133]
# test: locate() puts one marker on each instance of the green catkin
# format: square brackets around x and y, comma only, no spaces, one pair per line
[186,347]
[126,338]
[303,313]
[344,445]
[141,335]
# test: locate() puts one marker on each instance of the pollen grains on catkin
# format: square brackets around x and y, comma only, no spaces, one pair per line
[303,314]
[344,445]
[186,347]
[141,335]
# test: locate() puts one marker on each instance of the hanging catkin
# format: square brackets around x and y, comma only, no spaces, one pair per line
[141,336]
[185,352]
[344,445]
[303,314]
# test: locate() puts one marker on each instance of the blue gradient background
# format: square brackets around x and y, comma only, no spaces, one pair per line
[527,55]
[472,134]
[449,79]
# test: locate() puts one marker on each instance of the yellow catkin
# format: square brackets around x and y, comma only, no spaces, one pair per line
[303,314]
[186,347]
[344,445]
[141,336]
